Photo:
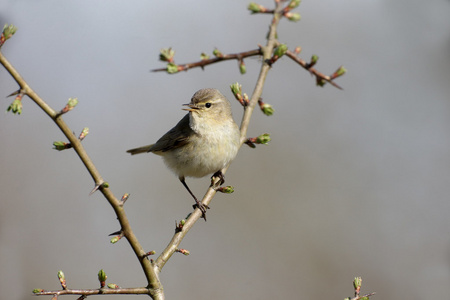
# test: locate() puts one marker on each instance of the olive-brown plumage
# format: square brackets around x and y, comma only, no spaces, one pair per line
[204,141]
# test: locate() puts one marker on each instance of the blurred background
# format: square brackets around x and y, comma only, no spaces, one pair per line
[354,183]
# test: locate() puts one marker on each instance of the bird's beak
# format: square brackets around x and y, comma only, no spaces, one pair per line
[191,108]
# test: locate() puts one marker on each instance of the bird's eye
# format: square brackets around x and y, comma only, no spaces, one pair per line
[208,105]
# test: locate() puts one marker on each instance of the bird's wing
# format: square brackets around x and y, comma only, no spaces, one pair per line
[175,137]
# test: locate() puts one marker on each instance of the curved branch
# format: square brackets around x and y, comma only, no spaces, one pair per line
[266,52]
[154,284]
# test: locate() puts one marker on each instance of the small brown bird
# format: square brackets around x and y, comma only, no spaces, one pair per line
[204,142]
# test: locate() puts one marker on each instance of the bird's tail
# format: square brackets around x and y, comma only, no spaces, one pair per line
[143,149]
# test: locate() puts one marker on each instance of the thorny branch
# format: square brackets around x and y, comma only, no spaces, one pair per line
[270,53]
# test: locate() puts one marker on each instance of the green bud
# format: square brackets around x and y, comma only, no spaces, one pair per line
[115,239]
[204,56]
[357,283]
[314,59]
[226,189]
[72,102]
[255,8]
[294,3]
[293,16]
[61,275]
[16,106]
[172,68]
[236,89]
[341,71]
[113,286]
[217,53]
[280,50]
[267,109]
[320,82]
[263,139]
[8,32]
[62,279]
[166,54]
[245,99]
[364,298]
[102,276]
[60,145]
[83,133]
[105,185]
[242,68]
[35,291]
[182,222]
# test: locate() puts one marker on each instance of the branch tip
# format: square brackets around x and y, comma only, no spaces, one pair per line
[266,108]
[124,199]
[102,278]
[182,251]
[16,106]
[62,279]
[7,32]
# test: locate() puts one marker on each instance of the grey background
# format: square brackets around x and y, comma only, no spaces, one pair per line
[354,182]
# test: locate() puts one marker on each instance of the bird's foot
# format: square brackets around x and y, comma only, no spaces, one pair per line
[202,207]
[221,177]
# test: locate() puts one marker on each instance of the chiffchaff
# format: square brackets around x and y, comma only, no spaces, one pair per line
[204,142]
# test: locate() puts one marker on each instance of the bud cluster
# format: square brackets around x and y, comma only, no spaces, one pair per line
[277,53]
[204,56]
[236,89]
[290,15]
[217,53]
[339,72]
[7,32]
[167,55]
[226,189]
[179,226]
[102,278]
[255,8]
[242,67]
[69,106]
[62,279]
[266,108]
[16,106]
[263,139]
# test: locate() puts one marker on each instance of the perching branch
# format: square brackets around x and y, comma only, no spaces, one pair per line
[154,288]
[257,92]
[270,53]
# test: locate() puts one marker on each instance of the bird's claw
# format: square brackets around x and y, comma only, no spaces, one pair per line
[221,177]
[202,207]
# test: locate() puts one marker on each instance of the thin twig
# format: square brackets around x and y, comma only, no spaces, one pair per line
[205,62]
[311,70]
[103,291]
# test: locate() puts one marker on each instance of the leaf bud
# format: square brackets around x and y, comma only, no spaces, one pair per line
[263,139]
[167,54]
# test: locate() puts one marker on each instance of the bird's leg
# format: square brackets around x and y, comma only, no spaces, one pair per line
[221,177]
[197,204]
